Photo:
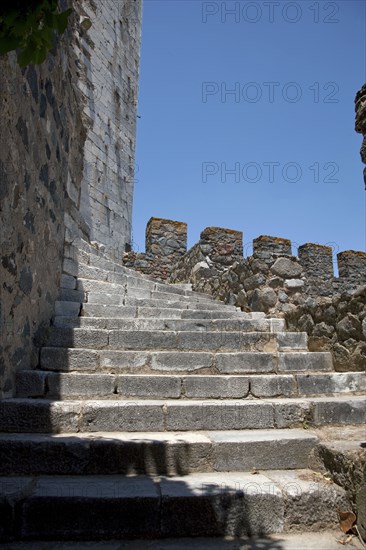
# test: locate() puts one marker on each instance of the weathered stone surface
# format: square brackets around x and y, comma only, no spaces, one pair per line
[66,386]
[220,504]
[263,299]
[261,450]
[31,384]
[312,503]
[59,181]
[129,416]
[309,384]
[121,507]
[352,411]
[64,359]
[227,415]
[304,361]
[244,363]
[165,387]
[294,284]
[273,386]
[181,361]
[216,387]
[38,415]
[286,268]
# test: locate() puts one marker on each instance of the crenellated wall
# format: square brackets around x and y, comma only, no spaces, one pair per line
[165,244]
[302,289]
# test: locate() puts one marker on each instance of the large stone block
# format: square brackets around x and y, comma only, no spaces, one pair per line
[68,359]
[245,363]
[181,361]
[261,450]
[216,415]
[231,504]
[128,416]
[154,387]
[216,387]
[91,507]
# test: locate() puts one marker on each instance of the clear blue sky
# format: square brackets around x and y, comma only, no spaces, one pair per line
[295,68]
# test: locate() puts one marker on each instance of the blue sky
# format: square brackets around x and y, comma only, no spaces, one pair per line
[286,132]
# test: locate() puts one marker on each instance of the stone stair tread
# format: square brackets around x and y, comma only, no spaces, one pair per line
[159,289]
[133,323]
[170,437]
[315,540]
[97,298]
[118,505]
[183,361]
[45,415]
[43,383]
[177,340]
[100,310]
[154,453]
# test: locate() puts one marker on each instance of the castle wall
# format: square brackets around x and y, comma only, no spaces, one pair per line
[302,289]
[67,144]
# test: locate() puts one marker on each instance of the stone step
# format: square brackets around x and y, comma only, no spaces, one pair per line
[121,312]
[50,416]
[170,302]
[175,340]
[154,453]
[153,362]
[199,504]
[83,264]
[67,309]
[212,325]
[133,288]
[52,385]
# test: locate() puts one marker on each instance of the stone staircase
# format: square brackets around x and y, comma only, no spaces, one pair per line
[160,412]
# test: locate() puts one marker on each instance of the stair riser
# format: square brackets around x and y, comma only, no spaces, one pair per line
[94,298]
[97,457]
[99,275]
[40,416]
[227,325]
[145,362]
[208,504]
[122,312]
[107,386]
[127,287]
[169,340]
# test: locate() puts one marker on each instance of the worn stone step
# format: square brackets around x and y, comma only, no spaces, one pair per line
[154,453]
[198,325]
[169,302]
[132,281]
[38,383]
[148,289]
[70,295]
[175,340]
[92,310]
[199,504]
[51,416]
[112,361]
[67,309]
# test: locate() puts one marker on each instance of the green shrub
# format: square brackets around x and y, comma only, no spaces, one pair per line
[29,27]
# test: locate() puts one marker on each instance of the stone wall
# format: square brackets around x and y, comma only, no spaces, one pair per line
[67,137]
[165,244]
[360,108]
[109,57]
[302,289]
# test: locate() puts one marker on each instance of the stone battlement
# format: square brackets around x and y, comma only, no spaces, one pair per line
[166,255]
